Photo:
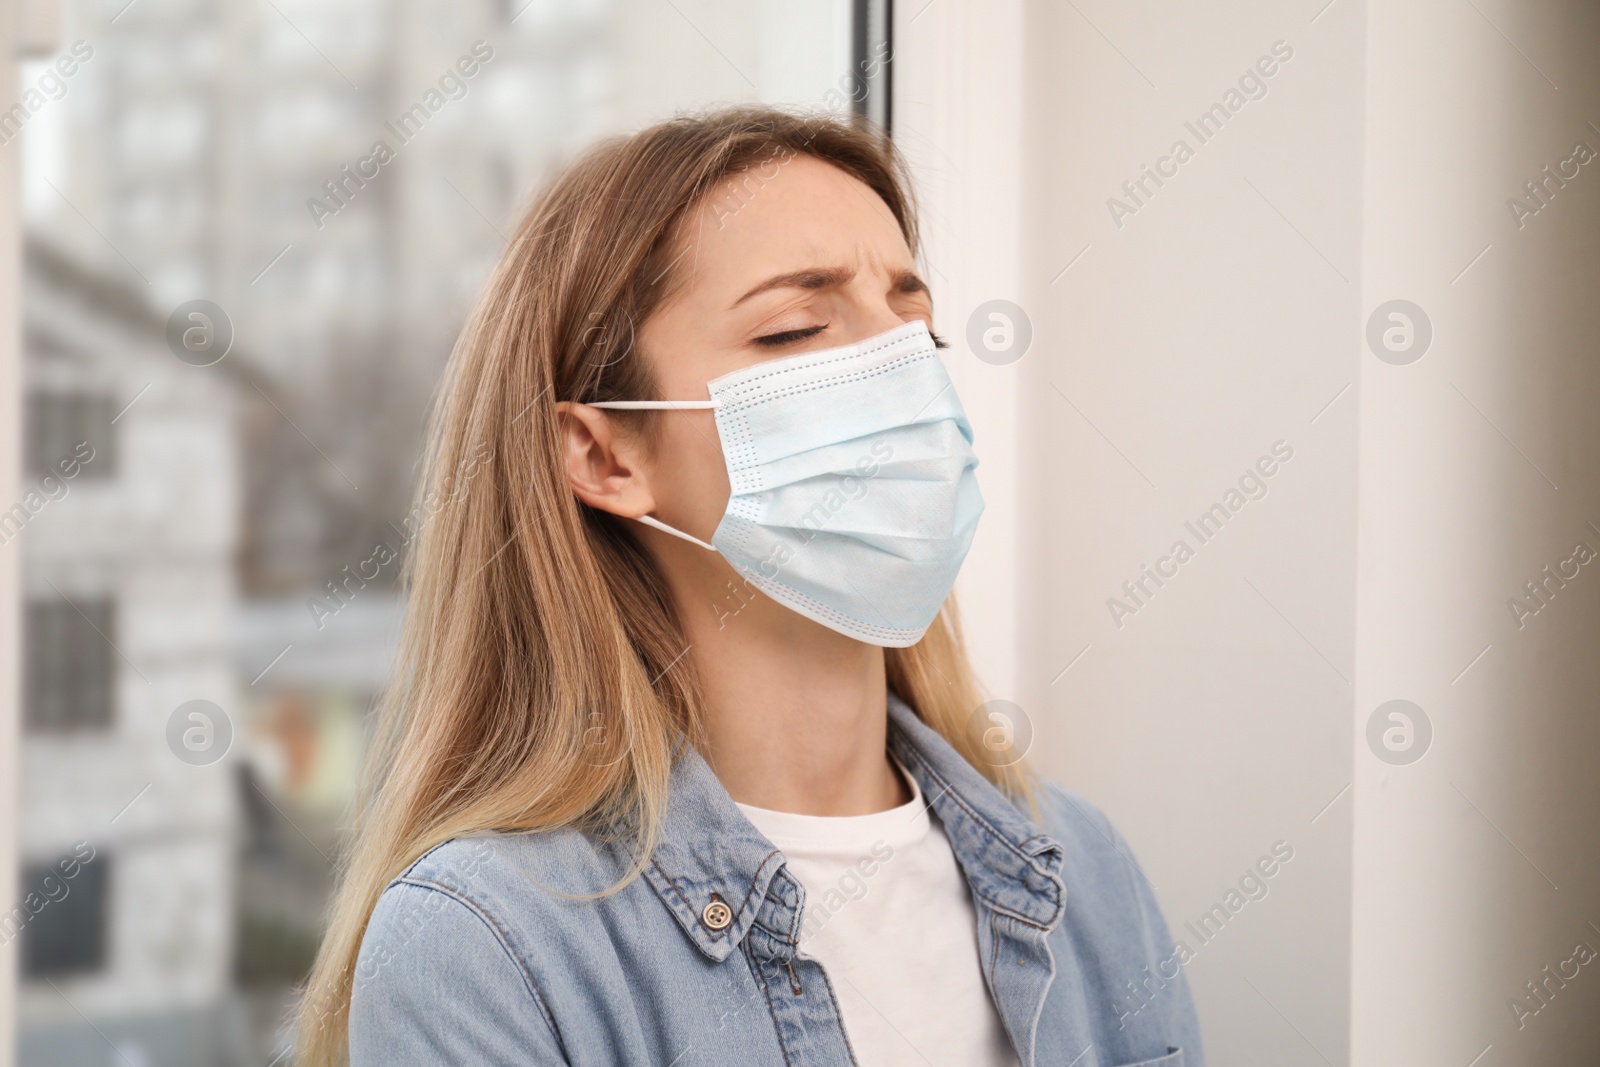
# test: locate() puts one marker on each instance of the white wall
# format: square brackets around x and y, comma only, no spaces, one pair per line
[1477,470]
[1172,357]
[1227,313]
[958,117]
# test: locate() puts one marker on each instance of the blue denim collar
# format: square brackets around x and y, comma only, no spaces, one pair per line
[708,850]
[1011,864]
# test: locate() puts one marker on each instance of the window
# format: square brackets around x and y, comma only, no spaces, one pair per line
[67,934]
[200,136]
[69,664]
[58,423]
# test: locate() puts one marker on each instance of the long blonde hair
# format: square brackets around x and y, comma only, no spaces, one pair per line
[538,628]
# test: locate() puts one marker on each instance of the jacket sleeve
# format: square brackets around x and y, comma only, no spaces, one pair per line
[435,983]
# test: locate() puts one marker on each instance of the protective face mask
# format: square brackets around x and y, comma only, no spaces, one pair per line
[853,495]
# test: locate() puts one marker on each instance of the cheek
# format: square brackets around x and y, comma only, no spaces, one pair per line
[690,472]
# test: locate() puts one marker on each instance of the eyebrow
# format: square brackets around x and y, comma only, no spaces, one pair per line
[904,280]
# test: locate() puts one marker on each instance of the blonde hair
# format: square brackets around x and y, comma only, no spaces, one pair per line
[538,628]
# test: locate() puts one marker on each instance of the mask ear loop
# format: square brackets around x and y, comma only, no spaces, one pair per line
[668,405]
[648,405]
[651,521]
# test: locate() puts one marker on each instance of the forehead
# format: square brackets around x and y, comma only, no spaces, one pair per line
[784,214]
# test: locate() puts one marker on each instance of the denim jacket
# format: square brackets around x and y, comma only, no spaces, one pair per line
[469,958]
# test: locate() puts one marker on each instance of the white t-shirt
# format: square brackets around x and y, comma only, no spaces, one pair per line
[889,916]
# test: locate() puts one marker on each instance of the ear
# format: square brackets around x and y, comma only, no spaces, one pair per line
[604,466]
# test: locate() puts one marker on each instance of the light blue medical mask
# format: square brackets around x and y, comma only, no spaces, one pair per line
[853,495]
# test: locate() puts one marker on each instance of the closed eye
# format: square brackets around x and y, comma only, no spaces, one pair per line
[787,337]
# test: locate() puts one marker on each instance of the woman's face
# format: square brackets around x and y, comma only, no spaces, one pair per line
[808,259]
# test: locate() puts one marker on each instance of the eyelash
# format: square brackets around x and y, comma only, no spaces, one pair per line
[774,340]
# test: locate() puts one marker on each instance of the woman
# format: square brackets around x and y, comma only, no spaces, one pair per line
[684,762]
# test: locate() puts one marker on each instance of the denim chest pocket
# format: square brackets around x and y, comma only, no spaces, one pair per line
[1173,1058]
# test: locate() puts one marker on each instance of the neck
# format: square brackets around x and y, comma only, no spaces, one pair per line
[796,714]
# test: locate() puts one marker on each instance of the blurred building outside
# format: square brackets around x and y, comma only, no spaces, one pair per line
[227,152]
[129,594]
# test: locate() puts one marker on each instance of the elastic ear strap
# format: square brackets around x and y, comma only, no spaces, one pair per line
[664,528]
[648,405]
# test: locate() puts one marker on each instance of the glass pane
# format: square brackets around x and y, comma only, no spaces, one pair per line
[254,231]
[66,930]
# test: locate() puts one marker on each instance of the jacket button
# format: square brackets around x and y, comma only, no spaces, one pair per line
[716,915]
